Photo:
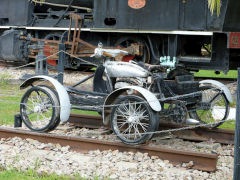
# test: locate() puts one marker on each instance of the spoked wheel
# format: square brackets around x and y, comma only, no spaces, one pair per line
[213,108]
[40,109]
[132,119]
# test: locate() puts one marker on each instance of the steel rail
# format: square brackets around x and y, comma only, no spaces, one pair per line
[201,161]
[223,136]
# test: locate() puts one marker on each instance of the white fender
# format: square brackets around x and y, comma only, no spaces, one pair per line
[149,96]
[62,94]
[220,86]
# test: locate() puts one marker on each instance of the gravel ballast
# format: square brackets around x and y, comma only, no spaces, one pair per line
[53,158]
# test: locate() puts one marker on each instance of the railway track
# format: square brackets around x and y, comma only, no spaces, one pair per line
[201,161]
[223,136]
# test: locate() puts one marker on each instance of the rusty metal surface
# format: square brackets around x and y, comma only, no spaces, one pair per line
[86,121]
[223,136]
[202,161]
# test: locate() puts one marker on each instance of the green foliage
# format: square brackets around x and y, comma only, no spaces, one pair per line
[214,5]
[206,73]
[31,175]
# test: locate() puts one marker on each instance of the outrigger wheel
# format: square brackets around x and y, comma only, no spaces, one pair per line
[213,108]
[132,119]
[40,109]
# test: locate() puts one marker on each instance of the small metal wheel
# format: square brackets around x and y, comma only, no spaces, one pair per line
[213,107]
[57,121]
[132,119]
[40,109]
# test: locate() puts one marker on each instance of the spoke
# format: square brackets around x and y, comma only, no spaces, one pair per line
[28,107]
[123,114]
[215,97]
[120,118]
[31,112]
[122,125]
[126,130]
[136,129]
[37,116]
[143,128]
[31,99]
[44,117]
[145,124]
[139,107]
[125,108]
[129,131]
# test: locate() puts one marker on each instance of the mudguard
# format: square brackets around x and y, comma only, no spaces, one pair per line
[62,94]
[220,86]
[150,98]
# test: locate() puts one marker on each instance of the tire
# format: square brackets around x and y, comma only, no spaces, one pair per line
[35,113]
[56,98]
[216,108]
[134,115]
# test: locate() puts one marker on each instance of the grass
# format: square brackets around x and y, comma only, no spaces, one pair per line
[228,125]
[16,175]
[10,98]
[206,73]
[32,175]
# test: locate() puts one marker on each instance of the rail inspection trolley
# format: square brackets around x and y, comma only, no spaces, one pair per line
[133,98]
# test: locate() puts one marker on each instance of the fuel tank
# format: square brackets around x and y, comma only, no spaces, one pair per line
[125,70]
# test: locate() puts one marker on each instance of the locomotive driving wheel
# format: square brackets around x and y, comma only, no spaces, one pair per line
[133,120]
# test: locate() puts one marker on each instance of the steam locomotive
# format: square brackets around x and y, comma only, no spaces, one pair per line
[181,30]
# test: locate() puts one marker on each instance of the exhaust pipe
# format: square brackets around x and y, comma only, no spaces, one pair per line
[190,121]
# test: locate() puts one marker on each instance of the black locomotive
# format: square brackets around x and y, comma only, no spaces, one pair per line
[181,30]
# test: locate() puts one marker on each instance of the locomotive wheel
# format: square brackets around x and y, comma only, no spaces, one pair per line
[125,42]
[51,63]
[214,107]
[40,109]
[131,118]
